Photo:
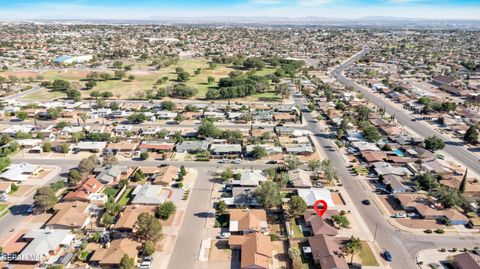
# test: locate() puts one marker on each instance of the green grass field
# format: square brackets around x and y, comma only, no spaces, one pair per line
[367,256]
[3,210]
[145,80]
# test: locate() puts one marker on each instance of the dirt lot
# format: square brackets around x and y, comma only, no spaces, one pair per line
[420,224]
[220,252]
[337,198]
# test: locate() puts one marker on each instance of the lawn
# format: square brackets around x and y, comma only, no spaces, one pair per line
[145,80]
[3,210]
[111,192]
[297,232]
[367,256]
[221,221]
[125,197]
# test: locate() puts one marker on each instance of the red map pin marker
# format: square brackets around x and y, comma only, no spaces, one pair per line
[320,211]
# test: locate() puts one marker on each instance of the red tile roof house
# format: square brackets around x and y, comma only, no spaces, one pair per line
[319,225]
[327,252]
[159,147]
[84,190]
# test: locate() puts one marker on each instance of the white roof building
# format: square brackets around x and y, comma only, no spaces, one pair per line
[43,242]
[310,196]
[19,172]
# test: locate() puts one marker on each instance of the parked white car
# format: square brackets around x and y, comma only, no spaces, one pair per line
[399,215]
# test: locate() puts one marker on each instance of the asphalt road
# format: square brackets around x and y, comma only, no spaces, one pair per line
[402,245]
[453,148]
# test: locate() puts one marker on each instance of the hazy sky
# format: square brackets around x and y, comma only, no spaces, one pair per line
[141,9]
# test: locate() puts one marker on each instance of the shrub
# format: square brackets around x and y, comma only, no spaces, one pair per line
[427,231]
[439,231]
[144,156]
[442,250]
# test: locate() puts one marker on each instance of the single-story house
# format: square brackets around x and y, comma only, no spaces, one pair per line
[70,215]
[249,178]
[256,250]
[466,260]
[90,146]
[248,221]
[327,252]
[20,172]
[147,194]
[44,243]
[111,257]
[300,178]
[226,149]
[128,217]
[166,175]
[310,196]
[193,146]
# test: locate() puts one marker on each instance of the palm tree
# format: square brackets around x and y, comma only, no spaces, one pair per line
[354,245]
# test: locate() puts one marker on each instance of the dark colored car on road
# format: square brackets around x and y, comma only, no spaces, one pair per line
[388,256]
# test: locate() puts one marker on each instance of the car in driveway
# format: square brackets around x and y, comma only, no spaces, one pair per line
[366,202]
[224,235]
[399,215]
[146,263]
[387,255]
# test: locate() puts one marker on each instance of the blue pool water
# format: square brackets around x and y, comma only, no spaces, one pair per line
[399,152]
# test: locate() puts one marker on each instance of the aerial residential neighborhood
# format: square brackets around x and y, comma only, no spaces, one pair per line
[284,136]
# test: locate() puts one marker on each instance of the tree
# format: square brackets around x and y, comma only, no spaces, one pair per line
[21,115]
[464,182]
[210,79]
[183,76]
[74,94]
[471,135]
[64,147]
[268,194]
[47,147]
[87,165]
[226,175]
[292,162]
[119,74]
[258,152]
[90,84]
[148,248]
[341,221]
[168,105]
[95,94]
[328,170]
[137,118]
[282,89]
[221,207]
[183,171]
[165,210]
[74,176]
[179,118]
[297,206]
[148,227]
[127,262]
[144,155]
[314,165]
[254,63]
[434,143]
[354,245]
[109,159]
[60,85]
[44,199]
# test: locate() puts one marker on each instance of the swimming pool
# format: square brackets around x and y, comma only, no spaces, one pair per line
[399,152]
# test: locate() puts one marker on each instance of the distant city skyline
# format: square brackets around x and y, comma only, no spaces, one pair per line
[147,9]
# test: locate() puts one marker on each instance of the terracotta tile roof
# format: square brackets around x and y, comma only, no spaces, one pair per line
[248,220]
[70,215]
[256,249]
[128,217]
[113,254]
[166,175]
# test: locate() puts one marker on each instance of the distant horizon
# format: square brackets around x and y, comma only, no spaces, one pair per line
[331,9]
